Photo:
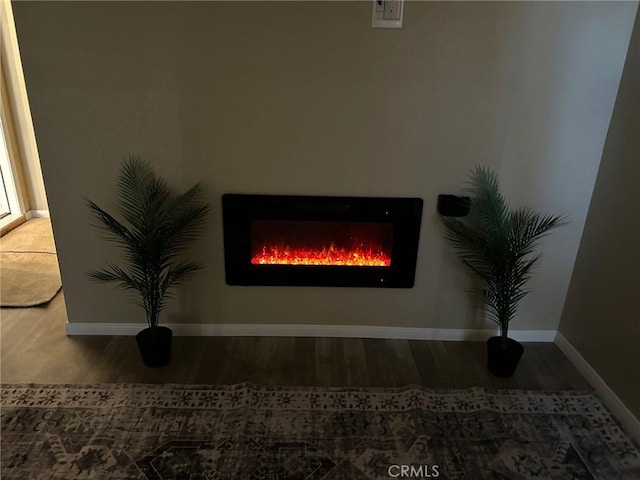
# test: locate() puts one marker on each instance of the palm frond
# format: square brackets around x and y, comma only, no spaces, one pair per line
[184,223]
[497,244]
[115,231]
[472,247]
[488,211]
[527,227]
[177,275]
[141,193]
[113,273]
[161,226]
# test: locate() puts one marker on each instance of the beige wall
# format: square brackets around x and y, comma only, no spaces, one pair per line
[307,98]
[601,317]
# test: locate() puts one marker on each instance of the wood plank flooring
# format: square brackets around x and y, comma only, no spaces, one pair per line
[35,349]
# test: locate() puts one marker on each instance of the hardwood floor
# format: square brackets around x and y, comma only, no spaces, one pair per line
[35,349]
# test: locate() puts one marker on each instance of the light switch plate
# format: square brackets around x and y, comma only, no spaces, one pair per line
[387,13]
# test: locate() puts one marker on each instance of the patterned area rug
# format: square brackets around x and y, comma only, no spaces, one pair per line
[255,432]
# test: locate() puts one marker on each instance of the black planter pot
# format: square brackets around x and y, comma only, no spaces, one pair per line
[503,357]
[155,346]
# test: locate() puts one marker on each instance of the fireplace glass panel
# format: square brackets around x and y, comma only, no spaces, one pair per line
[322,243]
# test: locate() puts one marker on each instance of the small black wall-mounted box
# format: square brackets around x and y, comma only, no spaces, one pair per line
[453,206]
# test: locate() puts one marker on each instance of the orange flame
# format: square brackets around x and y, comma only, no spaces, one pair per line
[331,256]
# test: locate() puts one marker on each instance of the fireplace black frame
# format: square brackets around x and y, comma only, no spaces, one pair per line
[239,210]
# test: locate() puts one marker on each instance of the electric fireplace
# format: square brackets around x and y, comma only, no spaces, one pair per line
[321,241]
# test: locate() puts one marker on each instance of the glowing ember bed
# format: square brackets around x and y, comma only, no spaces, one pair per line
[323,241]
[349,244]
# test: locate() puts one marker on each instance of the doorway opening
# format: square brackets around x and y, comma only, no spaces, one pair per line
[29,273]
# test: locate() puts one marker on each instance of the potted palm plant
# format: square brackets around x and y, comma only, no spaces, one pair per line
[161,225]
[497,244]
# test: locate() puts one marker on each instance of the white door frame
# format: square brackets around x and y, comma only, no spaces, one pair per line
[8,190]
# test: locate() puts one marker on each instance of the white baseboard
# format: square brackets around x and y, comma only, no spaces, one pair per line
[628,421]
[283,330]
[37,214]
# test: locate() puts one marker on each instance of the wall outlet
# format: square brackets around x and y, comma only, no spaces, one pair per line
[387,13]
[392,9]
